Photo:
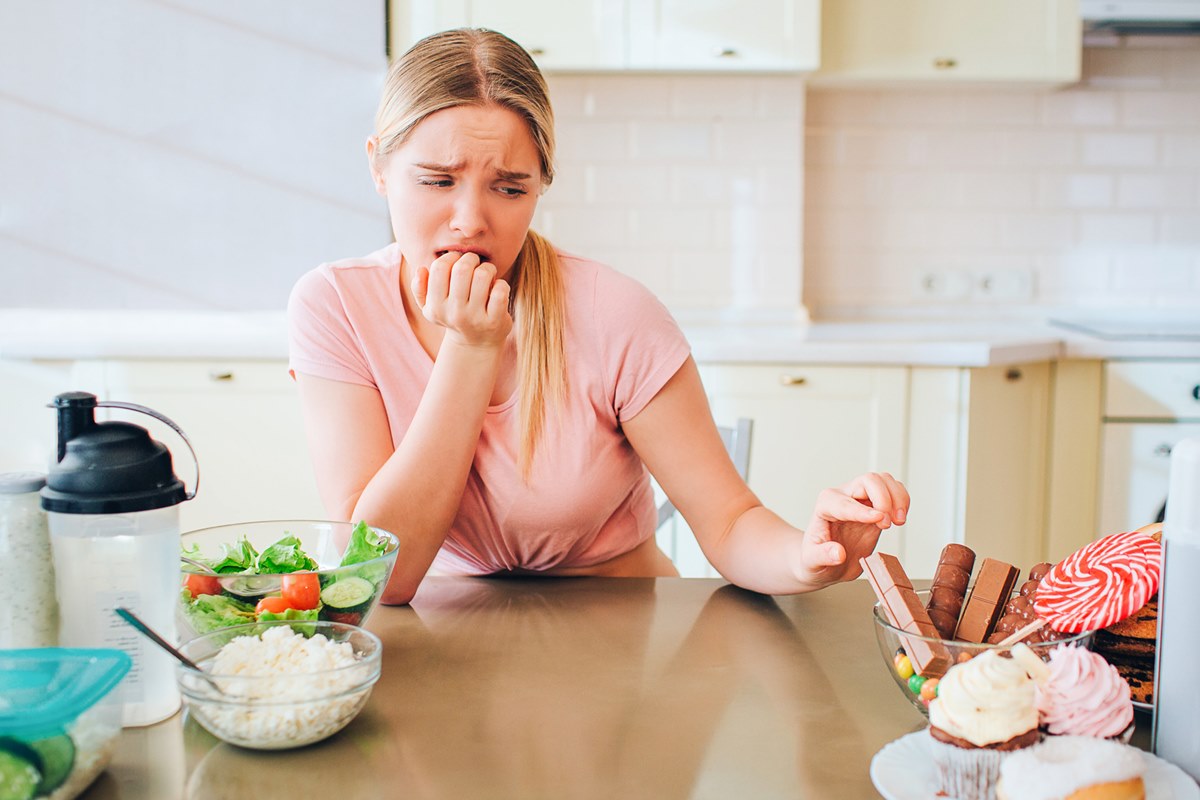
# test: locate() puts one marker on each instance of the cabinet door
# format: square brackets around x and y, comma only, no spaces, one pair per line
[243,419]
[722,36]
[814,427]
[28,428]
[951,40]
[576,35]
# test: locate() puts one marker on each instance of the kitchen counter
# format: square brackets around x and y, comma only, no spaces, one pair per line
[578,687]
[73,335]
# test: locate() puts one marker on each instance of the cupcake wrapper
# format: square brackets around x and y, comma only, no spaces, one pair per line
[965,774]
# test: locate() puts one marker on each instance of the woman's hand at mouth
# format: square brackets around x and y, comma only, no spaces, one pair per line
[462,294]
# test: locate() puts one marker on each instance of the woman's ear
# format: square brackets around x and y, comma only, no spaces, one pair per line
[374,166]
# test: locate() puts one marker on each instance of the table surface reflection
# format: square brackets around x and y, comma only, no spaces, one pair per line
[577,688]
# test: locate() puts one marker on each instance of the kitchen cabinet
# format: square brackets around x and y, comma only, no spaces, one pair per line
[610,35]
[977,463]
[814,427]
[950,41]
[28,428]
[243,419]
[1148,407]
[970,444]
[721,36]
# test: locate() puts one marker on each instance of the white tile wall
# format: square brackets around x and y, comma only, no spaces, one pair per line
[692,184]
[1092,191]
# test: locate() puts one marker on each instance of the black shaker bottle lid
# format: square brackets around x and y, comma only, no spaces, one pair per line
[106,467]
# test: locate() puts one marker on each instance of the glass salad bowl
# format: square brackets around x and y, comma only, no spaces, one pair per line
[299,570]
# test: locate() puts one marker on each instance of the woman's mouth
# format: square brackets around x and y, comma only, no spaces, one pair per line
[482,256]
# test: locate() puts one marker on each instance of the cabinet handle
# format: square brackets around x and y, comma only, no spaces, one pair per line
[1013,374]
[1163,450]
[725,52]
[537,51]
[792,380]
[220,375]
[945,63]
[1196,392]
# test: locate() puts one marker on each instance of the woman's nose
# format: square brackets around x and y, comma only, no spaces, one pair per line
[469,218]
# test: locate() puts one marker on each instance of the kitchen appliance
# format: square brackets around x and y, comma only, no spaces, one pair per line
[1146,17]
[113,505]
[1176,690]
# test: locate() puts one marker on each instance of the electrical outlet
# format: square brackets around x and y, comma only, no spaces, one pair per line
[942,285]
[1003,285]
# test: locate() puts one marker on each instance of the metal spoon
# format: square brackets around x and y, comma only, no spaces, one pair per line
[148,632]
[244,585]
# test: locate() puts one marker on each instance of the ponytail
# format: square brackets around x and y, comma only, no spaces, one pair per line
[541,356]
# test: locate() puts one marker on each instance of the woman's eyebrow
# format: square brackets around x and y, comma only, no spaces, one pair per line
[454,167]
[509,175]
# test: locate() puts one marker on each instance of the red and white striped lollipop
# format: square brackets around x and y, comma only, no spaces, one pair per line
[1102,583]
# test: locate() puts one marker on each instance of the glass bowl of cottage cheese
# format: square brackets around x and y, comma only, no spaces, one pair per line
[279,684]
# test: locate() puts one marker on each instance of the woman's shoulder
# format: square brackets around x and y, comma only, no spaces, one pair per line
[601,285]
[348,280]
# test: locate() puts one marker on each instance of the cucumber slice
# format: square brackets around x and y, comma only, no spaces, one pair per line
[58,758]
[19,776]
[348,594]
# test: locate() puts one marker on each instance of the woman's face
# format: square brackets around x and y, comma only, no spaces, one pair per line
[467,179]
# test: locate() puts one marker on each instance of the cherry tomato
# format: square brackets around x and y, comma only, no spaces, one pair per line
[302,590]
[202,584]
[272,605]
[348,617]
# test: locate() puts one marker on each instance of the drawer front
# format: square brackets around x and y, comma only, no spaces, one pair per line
[1152,390]
[231,375]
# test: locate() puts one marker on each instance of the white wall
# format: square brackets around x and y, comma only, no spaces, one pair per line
[1085,197]
[196,154]
[157,154]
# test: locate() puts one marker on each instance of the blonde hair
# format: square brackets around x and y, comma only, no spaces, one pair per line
[475,66]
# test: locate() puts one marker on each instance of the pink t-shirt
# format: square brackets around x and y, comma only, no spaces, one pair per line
[589,497]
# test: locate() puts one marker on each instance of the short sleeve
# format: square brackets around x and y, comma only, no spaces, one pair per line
[642,345]
[321,340]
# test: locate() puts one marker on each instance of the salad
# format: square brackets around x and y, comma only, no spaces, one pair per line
[282,582]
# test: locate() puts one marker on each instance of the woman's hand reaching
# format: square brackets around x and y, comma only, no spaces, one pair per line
[461,293]
[846,525]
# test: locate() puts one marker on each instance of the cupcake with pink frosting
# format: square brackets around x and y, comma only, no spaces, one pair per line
[1081,694]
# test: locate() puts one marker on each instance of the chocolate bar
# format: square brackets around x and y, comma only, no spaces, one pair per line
[949,586]
[986,602]
[903,610]
[1018,611]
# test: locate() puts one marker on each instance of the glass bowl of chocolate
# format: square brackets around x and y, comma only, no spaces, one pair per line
[922,633]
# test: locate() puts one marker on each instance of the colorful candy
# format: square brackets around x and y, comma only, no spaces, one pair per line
[1100,584]
[915,683]
[929,689]
[904,667]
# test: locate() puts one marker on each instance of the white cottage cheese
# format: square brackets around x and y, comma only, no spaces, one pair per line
[299,690]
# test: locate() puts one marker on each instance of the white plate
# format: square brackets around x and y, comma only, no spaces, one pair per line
[903,770]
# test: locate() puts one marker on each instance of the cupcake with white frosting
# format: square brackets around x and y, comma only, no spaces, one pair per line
[1073,768]
[985,710]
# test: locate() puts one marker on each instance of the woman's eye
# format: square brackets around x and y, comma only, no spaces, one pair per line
[434,181]
[512,191]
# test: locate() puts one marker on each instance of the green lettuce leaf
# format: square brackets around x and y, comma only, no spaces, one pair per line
[208,612]
[237,557]
[364,545]
[285,556]
[309,615]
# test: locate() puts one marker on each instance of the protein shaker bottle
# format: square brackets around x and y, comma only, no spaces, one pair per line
[1176,691]
[113,502]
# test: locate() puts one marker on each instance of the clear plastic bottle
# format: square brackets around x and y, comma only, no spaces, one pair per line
[28,606]
[113,506]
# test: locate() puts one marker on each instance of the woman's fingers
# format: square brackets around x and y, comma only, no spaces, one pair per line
[420,286]
[882,492]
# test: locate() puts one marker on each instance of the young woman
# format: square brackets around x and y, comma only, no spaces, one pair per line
[495,402]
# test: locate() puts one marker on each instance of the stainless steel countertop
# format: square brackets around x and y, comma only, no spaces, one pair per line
[578,688]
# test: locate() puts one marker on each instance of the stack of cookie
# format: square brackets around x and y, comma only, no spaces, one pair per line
[1129,645]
